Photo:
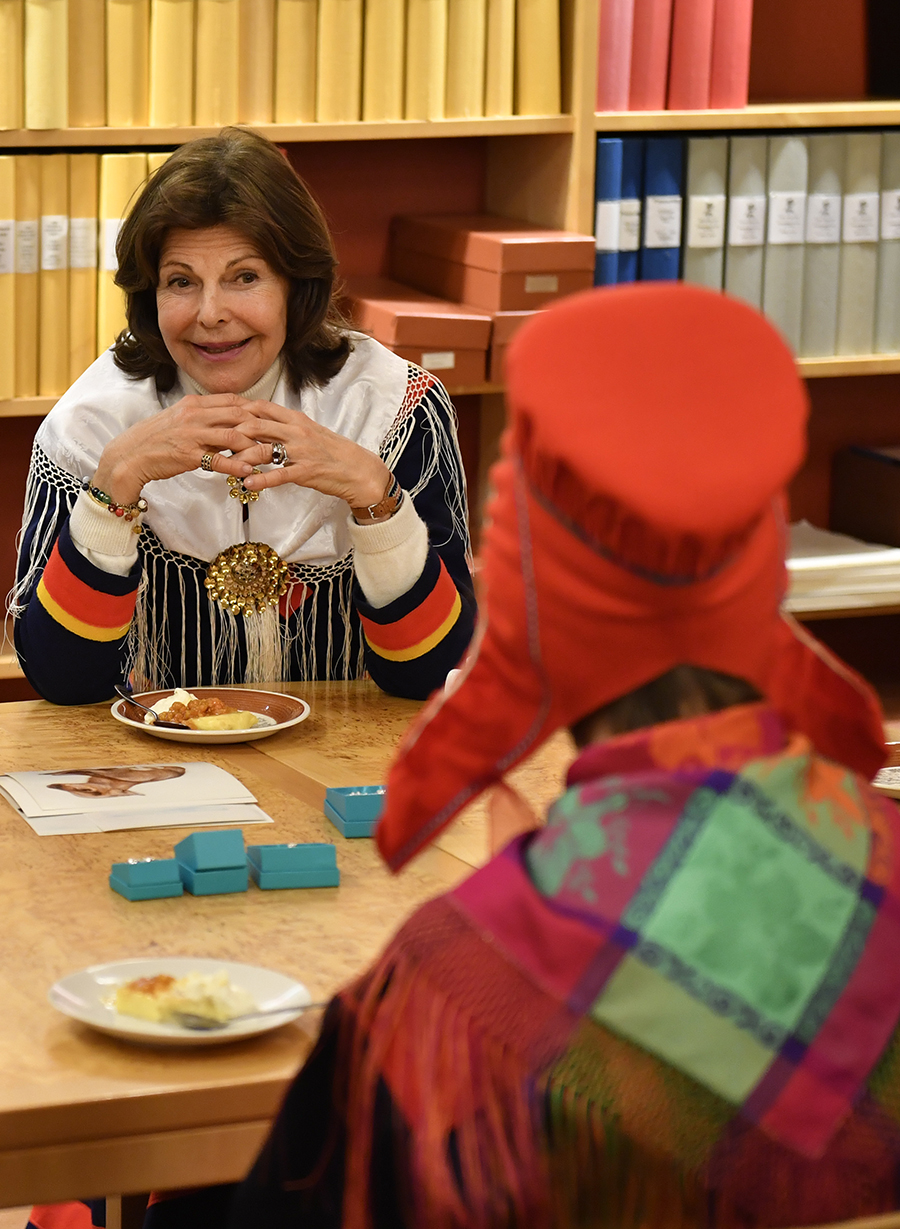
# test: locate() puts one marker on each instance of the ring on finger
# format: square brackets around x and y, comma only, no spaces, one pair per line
[206,462]
[279,454]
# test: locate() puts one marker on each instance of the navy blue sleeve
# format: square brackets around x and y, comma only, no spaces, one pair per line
[412,643]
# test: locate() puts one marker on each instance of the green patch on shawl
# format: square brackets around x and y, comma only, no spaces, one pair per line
[649,1009]
[754,909]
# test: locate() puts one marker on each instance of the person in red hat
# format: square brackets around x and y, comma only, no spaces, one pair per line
[676,1003]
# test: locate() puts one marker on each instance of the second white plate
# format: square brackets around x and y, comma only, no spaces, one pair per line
[86,996]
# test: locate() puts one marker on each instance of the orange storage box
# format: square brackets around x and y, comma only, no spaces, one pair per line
[499,264]
[450,339]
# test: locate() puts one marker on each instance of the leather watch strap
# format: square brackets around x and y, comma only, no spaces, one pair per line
[386,506]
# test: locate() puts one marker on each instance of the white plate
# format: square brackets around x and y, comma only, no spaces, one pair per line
[275,711]
[85,996]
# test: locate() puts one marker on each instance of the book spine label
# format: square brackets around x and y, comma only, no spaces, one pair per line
[823,217]
[890,214]
[787,218]
[629,225]
[747,221]
[7,245]
[860,217]
[662,228]
[27,246]
[82,243]
[607,226]
[706,221]
[54,241]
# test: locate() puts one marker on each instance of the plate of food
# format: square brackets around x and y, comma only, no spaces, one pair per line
[143,1000]
[213,714]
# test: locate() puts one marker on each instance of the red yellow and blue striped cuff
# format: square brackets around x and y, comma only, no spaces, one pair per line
[81,610]
[419,631]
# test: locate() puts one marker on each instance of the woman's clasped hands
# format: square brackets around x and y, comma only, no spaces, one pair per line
[237,436]
[313,456]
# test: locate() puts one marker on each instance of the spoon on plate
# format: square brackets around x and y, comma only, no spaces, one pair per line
[203,1024]
[154,716]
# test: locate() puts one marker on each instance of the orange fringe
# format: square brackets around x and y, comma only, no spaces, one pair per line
[476,1160]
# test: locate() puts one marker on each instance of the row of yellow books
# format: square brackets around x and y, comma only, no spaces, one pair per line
[171,63]
[60,216]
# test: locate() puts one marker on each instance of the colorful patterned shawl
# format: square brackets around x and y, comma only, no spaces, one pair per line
[675,1005]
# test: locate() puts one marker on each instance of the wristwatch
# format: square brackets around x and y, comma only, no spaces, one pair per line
[386,506]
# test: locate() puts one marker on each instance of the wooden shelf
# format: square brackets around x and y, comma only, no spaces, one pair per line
[879,114]
[810,368]
[850,365]
[24,407]
[38,407]
[516,125]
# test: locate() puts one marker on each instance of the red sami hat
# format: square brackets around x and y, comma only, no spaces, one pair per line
[637,524]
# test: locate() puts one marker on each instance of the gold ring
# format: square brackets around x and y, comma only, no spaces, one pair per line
[206,462]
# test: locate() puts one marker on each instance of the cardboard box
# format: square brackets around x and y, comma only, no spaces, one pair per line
[453,367]
[499,245]
[398,315]
[484,288]
[500,264]
[865,494]
[506,325]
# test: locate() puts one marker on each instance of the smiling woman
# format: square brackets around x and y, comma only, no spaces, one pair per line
[287,495]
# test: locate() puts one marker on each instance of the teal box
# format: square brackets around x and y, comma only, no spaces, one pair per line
[294,866]
[212,851]
[214,882]
[149,879]
[357,803]
[349,827]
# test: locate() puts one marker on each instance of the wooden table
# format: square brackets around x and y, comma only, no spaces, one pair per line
[83,1115]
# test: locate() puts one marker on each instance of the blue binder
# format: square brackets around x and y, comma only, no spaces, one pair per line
[606,221]
[663,209]
[631,207]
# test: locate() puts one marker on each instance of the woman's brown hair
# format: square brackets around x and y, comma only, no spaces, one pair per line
[235,179]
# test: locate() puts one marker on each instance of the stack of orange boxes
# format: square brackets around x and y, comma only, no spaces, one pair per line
[500,265]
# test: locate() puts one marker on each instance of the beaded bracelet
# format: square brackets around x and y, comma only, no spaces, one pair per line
[129,511]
